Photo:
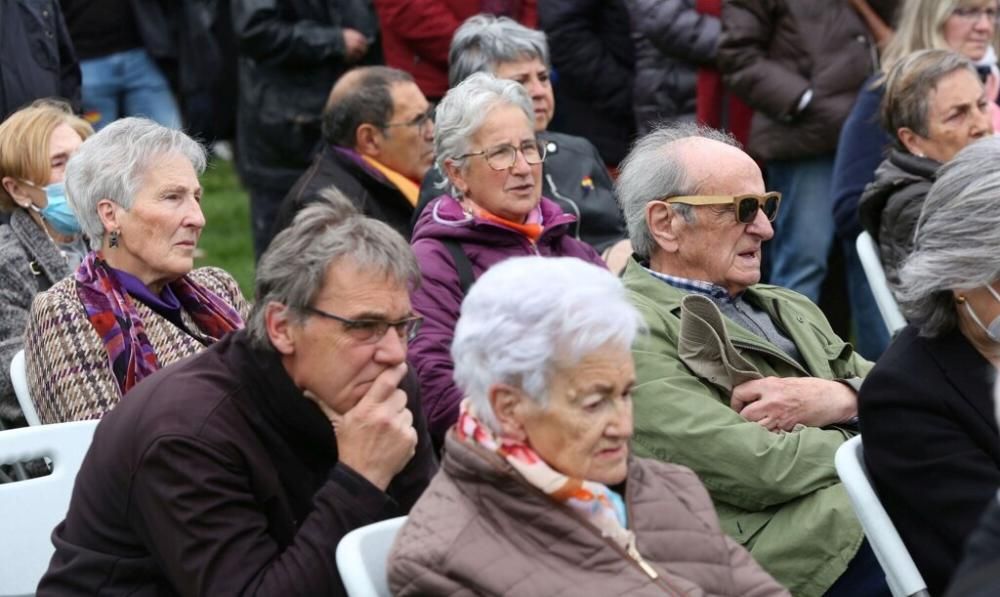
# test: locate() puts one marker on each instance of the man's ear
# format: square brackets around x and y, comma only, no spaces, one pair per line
[280,329]
[368,140]
[913,142]
[662,221]
[506,402]
[16,190]
[454,173]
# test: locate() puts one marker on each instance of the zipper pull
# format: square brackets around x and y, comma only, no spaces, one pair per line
[634,554]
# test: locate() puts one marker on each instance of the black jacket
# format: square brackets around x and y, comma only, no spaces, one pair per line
[36,55]
[573,176]
[593,70]
[979,573]
[672,40]
[931,445]
[291,54]
[370,192]
[216,476]
[890,206]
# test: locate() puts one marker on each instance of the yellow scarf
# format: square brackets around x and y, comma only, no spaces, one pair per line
[407,187]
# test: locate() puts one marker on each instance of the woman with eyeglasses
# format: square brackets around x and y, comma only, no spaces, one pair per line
[926,408]
[485,143]
[42,242]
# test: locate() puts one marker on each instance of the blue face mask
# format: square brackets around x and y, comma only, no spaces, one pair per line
[57,212]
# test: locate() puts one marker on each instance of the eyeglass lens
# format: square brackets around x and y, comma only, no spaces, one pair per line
[504,156]
[746,210]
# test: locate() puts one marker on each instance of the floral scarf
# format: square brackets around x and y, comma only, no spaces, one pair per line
[112,313]
[600,506]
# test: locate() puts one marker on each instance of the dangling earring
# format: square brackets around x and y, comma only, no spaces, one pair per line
[113,239]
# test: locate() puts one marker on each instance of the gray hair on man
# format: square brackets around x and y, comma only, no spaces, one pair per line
[465,108]
[908,86]
[293,269]
[112,164]
[527,317]
[484,41]
[653,170]
[956,241]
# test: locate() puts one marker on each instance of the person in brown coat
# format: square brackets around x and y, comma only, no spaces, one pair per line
[536,477]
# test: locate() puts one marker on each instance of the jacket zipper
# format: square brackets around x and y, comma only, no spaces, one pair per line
[576,208]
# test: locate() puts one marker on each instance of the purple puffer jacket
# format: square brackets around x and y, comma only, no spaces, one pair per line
[440,295]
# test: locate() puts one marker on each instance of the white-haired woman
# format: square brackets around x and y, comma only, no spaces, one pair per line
[485,143]
[134,304]
[926,409]
[537,493]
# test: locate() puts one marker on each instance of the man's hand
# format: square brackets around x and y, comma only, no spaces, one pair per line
[355,44]
[781,403]
[376,438]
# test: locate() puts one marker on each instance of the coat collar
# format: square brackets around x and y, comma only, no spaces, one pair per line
[39,247]
[967,371]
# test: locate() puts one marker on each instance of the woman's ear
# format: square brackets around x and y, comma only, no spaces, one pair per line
[108,211]
[661,219]
[17,191]
[454,173]
[913,142]
[506,402]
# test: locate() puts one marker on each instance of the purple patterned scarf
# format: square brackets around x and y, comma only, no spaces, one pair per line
[112,313]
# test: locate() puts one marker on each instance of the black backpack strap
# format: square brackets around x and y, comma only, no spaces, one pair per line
[462,264]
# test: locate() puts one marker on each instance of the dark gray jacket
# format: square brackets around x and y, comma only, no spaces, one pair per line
[573,176]
[671,40]
[890,206]
[29,262]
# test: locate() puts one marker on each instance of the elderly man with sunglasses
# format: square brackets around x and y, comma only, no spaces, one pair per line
[237,471]
[742,382]
[378,134]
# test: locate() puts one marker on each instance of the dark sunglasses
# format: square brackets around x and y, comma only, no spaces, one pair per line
[745,206]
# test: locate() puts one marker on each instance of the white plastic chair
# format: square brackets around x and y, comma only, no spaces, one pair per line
[19,377]
[32,508]
[870,262]
[900,572]
[362,557]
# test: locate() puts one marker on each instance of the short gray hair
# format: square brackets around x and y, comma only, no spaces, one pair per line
[464,109]
[483,42]
[529,316]
[652,170]
[908,86]
[367,101]
[293,269]
[956,241]
[112,165]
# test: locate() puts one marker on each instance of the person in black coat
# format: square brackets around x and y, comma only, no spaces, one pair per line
[378,136]
[573,174]
[926,408]
[593,65]
[237,471]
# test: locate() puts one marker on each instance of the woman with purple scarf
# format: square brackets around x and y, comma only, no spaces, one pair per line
[484,140]
[134,304]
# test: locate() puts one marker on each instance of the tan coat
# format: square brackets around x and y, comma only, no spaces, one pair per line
[480,529]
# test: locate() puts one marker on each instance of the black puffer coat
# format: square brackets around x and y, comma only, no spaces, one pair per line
[291,54]
[890,206]
[671,40]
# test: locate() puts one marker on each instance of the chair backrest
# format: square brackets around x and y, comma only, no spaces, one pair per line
[900,572]
[870,262]
[362,557]
[19,377]
[32,508]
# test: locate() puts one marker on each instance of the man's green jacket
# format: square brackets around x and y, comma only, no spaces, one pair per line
[777,493]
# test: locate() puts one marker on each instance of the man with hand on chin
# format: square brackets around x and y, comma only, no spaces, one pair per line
[238,471]
[742,382]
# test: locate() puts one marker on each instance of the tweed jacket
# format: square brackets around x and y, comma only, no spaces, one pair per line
[27,256]
[69,376]
[481,529]
[777,494]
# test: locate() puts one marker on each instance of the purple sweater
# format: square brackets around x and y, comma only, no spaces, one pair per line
[440,295]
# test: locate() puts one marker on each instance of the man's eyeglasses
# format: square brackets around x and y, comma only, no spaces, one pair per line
[419,121]
[369,331]
[973,14]
[745,206]
[503,156]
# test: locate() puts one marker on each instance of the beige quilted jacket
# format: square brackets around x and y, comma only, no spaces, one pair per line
[479,529]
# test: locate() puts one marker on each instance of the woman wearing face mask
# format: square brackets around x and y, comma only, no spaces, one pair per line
[926,408]
[42,242]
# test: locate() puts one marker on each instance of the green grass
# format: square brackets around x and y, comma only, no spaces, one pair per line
[226,238]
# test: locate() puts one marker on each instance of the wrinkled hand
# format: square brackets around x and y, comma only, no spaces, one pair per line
[355,44]
[781,403]
[376,438]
